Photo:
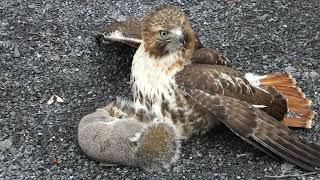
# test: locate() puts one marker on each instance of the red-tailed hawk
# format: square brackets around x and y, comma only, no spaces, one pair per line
[298,113]
[190,88]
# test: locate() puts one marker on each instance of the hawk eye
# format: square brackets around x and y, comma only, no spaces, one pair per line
[164,33]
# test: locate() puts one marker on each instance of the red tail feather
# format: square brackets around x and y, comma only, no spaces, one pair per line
[300,114]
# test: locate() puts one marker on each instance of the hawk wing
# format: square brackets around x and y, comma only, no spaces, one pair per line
[127,32]
[209,56]
[228,96]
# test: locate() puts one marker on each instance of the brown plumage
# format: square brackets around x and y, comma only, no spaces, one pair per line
[229,82]
[205,94]
[130,30]
[161,22]
[298,105]
[193,88]
[210,56]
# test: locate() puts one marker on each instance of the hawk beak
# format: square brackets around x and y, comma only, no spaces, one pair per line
[179,36]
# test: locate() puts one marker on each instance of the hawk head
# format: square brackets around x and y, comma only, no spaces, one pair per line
[167,30]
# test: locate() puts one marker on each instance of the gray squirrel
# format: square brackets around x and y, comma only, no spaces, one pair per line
[120,134]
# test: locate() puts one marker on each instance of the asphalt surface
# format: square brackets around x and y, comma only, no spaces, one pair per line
[47,48]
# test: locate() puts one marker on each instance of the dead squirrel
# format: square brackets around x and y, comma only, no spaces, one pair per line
[119,134]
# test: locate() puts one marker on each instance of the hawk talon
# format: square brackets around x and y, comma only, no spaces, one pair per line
[115,111]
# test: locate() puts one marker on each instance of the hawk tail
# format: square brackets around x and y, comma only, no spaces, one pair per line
[299,112]
[260,129]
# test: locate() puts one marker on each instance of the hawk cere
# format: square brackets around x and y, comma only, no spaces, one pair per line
[181,88]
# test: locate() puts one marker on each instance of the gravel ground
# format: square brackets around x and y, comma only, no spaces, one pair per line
[47,48]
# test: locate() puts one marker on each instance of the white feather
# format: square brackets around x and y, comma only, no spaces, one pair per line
[153,80]
[118,36]
[254,79]
[259,106]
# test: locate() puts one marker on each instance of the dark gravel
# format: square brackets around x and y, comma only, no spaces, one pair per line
[47,48]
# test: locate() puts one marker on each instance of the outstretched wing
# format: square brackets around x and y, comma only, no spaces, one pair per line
[227,95]
[127,32]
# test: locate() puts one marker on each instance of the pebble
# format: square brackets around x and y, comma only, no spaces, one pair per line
[31,6]
[16,52]
[48,6]
[180,2]
[5,144]
[305,75]
[290,69]
[286,167]
[314,75]
[263,17]
[121,18]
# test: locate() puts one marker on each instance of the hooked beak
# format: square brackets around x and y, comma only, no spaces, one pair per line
[179,36]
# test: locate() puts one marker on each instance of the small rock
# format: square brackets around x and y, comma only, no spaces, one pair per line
[290,69]
[16,52]
[278,59]
[5,144]
[48,6]
[176,169]
[285,167]
[121,18]
[31,6]
[225,44]
[263,17]
[305,75]
[314,75]
[12,167]
[179,2]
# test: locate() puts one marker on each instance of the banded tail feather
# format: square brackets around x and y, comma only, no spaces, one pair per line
[299,112]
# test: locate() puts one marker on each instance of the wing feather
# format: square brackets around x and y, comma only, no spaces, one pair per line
[248,122]
[127,32]
[251,124]
[229,82]
[209,56]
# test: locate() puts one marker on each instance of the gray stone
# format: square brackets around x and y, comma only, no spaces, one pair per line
[16,52]
[285,167]
[305,75]
[290,69]
[263,17]
[31,6]
[5,144]
[121,18]
[314,75]
[48,6]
